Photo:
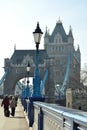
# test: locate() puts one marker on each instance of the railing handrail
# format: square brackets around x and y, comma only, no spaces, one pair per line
[76,115]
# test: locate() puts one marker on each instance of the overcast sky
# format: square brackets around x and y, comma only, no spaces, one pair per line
[18,19]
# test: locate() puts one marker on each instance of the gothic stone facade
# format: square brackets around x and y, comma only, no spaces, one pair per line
[53,57]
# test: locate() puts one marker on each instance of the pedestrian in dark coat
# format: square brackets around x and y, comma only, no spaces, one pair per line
[5,103]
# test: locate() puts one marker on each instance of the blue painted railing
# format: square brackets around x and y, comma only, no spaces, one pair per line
[53,117]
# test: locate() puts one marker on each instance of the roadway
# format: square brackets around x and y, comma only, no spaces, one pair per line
[18,122]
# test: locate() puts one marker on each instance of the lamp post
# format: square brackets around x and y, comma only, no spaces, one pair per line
[27,88]
[37,96]
[36,80]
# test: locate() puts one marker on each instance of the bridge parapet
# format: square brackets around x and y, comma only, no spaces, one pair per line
[51,116]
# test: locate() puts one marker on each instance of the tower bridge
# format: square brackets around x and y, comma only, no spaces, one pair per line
[54,58]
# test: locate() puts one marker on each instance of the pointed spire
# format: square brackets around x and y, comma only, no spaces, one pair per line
[47,32]
[14,47]
[46,29]
[59,21]
[78,49]
[70,31]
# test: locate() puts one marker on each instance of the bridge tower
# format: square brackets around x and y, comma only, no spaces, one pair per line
[58,45]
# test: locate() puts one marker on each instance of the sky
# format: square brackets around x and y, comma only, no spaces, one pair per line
[18,19]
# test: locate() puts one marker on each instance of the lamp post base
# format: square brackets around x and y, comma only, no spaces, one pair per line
[31,108]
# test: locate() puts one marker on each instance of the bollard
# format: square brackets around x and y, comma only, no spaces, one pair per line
[75,125]
[26,105]
[23,102]
[40,120]
[31,114]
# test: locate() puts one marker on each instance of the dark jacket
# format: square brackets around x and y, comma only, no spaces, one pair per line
[5,102]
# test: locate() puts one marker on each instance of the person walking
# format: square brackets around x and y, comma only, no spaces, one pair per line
[5,103]
[13,104]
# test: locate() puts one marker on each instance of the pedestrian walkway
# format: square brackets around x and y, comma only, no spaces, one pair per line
[18,122]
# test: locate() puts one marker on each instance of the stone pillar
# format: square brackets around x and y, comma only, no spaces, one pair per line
[69,98]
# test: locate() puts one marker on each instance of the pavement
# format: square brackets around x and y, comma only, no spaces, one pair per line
[18,122]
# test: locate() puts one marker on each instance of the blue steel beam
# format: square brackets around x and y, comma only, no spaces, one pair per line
[43,81]
[4,76]
[25,89]
[61,91]
[19,85]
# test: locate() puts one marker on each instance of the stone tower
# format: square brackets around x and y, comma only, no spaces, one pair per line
[58,46]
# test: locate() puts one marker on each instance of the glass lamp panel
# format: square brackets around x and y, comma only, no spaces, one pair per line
[37,37]
[28,68]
